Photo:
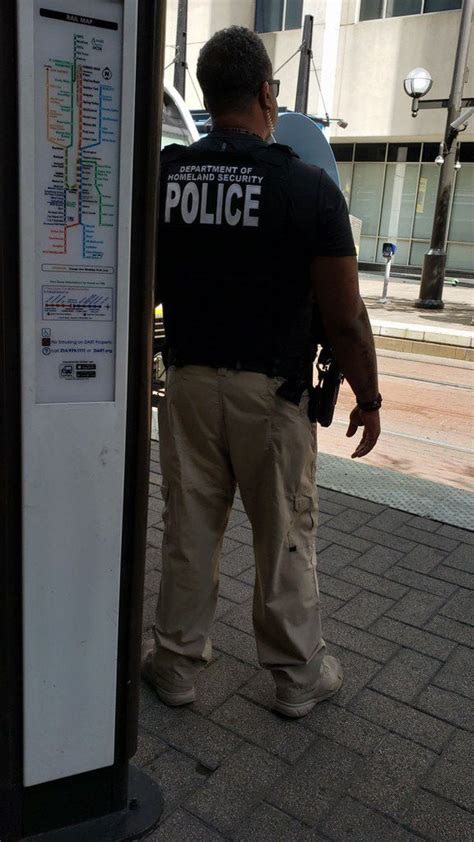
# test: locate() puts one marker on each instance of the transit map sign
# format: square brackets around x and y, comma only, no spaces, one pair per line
[76,105]
[77,71]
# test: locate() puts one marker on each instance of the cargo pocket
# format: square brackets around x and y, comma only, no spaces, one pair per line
[301,535]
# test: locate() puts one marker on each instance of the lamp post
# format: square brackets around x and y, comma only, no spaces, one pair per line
[180,65]
[302,87]
[416,85]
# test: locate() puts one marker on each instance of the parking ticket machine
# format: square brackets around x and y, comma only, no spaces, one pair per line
[80,93]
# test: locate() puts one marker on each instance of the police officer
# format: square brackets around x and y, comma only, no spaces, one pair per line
[251,239]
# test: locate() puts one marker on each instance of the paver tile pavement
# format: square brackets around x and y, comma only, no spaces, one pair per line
[317,780]
[230,795]
[288,740]
[405,675]
[268,824]
[403,719]
[390,756]
[395,768]
[448,706]
[451,776]
[183,827]
[438,819]
[351,821]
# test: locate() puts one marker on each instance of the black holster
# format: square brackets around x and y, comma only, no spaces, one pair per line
[323,397]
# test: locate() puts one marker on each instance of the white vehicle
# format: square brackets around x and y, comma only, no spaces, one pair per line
[178,127]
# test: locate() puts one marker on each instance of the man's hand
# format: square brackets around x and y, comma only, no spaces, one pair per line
[370,421]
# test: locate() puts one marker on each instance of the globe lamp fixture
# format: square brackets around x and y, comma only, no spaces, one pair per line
[417,84]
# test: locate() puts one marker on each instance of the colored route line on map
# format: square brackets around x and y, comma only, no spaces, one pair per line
[69,85]
[100,169]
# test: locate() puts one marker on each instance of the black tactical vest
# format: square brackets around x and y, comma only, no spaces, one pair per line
[233,272]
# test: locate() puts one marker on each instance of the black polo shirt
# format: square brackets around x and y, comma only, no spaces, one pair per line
[319,207]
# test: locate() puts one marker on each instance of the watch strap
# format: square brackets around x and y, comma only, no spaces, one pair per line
[370,406]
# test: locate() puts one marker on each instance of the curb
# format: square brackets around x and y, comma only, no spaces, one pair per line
[431,349]
[415,339]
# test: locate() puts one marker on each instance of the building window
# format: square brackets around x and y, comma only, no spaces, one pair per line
[366,195]
[345,177]
[343,151]
[461,216]
[426,201]
[404,152]
[276,15]
[442,5]
[397,8]
[392,188]
[371,9]
[398,201]
[370,152]
[375,9]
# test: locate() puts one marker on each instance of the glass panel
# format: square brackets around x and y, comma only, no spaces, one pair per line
[426,200]
[367,249]
[430,151]
[400,192]
[442,5]
[467,153]
[268,15]
[345,175]
[370,9]
[418,251]
[370,151]
[344,151]
[395,8]
[460,257]
[401,255]
[294,14]
[404,152]
[367,184]
[462,215]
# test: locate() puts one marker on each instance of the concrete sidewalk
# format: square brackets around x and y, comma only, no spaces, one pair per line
[387,759]
[398,325]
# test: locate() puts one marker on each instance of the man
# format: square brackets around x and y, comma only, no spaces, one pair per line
[251,240]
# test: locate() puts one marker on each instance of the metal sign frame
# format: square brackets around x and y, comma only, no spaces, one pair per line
[78,797]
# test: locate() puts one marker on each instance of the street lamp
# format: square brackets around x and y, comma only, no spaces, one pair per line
[417,84]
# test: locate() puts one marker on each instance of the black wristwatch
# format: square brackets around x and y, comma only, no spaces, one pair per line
[370,406]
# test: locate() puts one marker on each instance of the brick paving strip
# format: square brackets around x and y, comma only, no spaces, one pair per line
[390,757]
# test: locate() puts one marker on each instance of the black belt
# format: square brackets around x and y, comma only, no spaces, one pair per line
[256,366]
[291,389]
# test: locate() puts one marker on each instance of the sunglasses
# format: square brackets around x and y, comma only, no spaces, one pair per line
[275,84]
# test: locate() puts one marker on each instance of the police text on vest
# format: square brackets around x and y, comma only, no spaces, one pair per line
[228,201]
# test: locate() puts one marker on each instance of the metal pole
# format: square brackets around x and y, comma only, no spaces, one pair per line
[180,64]
[434,264]
[11,633]
[388,266]
[302,89]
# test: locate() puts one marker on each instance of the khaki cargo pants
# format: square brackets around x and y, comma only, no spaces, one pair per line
[220,427]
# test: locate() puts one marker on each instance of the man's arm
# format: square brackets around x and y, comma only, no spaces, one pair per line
[335,287]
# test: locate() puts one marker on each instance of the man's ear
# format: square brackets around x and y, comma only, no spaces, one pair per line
[264,96]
